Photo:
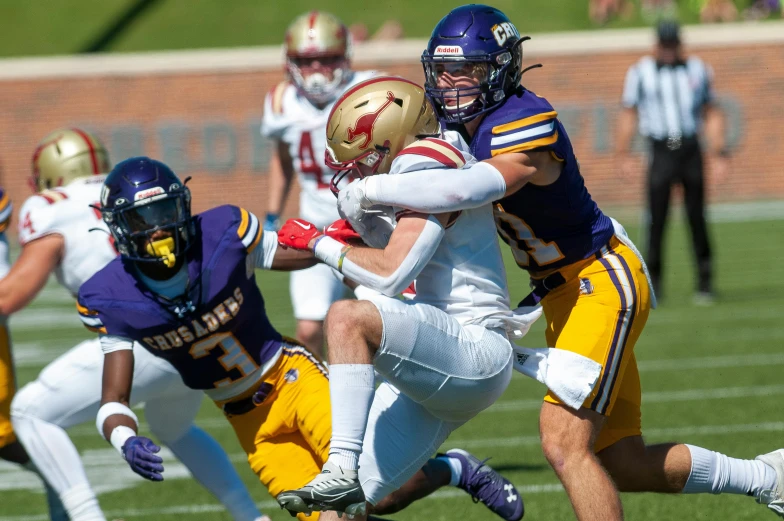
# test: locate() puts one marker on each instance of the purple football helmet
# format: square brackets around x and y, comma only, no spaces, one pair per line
[148,211]
[476,40]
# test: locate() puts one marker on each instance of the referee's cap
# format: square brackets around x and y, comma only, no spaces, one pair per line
[669,31]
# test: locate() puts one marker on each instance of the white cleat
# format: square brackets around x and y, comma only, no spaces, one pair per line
[774,499]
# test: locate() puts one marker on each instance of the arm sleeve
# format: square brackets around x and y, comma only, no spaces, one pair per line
[631,88]
[438,191]
[265,253]
[418,257]
[111,343]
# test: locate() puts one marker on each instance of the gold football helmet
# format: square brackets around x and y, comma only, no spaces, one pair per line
[373,121]
[317,55]
[66,154]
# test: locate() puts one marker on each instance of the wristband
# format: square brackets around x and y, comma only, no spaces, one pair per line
[110,409]
[342,257]
[328,250]
[120,435]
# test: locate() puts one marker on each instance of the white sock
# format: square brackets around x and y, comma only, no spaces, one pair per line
[211,467]
[351,389]
[455,468]
[81,504]
[716,473]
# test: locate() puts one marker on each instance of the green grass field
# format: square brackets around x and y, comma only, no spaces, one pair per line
[41,28]
[711,376]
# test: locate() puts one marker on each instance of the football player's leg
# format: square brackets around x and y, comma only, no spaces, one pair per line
[598,313]
[66,393]
[312,292]
[171,416]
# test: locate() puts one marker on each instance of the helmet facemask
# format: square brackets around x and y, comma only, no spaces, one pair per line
[156,229]
[496,75]
[318,78]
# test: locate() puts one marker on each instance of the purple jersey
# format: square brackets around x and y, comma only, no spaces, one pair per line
[224,336]
[548,227]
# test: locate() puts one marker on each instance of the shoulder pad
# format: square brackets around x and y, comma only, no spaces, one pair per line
[37,217]
[428,153]
[239,222]
[276,97]
[528,124]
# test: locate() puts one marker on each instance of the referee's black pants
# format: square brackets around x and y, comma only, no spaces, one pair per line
[669,167]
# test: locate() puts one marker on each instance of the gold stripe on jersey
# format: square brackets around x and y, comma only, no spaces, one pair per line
[244,220]
[520,123]
[543,142]
[441,147]
[256,240]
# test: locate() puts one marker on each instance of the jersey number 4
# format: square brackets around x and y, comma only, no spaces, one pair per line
[524,244]
[308,165]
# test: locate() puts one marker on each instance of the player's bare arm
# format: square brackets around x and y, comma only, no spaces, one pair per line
[280,176]
[30,272]
[117,380]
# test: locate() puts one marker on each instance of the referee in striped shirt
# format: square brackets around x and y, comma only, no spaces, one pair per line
[673,100]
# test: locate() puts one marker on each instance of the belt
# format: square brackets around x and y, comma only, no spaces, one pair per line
[675,142]
[244,405]
[541,287]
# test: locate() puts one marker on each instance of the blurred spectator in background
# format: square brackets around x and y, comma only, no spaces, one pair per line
[602,11]
[657,9]
[715,11]
[761,9]
[673,96]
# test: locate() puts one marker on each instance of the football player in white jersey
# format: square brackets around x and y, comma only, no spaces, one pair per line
[445,355]
[62,232]
[295,116]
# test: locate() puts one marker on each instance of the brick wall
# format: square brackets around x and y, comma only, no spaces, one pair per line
[206,125]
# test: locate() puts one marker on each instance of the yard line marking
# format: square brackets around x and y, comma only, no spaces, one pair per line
[535,403]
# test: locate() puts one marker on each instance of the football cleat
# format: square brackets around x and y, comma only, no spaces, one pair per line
[774,499]
[487,486]
[333,489]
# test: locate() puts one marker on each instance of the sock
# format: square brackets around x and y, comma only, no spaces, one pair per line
[351,389]
[211,467]
[56,508]
[455,468]
[716,473]
[81,504]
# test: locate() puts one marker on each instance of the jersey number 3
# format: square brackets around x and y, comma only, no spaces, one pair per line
[524,244]
[307,161]
[234,355]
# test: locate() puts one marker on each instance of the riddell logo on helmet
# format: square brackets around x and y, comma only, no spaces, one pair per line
[449,50]
[144,194]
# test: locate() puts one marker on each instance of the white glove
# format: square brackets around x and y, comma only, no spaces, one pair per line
[352,202]
[522,320]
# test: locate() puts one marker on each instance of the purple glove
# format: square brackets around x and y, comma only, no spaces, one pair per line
[140,453]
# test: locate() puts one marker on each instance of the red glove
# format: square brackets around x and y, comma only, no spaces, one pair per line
[297,233]
[341,231]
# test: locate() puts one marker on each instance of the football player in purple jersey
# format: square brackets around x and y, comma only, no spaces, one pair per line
[184,288]
[586,273]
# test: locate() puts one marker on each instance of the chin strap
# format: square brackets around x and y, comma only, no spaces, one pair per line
[163,249]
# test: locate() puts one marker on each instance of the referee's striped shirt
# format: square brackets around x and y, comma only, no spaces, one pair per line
[669,98]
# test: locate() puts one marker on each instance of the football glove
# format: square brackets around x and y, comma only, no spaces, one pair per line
[352,202]
[341,231]
[297,233]
[141,455]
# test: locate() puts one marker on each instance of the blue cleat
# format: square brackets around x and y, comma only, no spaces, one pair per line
[487,486]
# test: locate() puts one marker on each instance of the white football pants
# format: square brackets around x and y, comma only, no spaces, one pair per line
[439,374]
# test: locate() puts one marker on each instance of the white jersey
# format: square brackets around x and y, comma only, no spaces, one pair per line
[291,118]
[66,211]
[465,277]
